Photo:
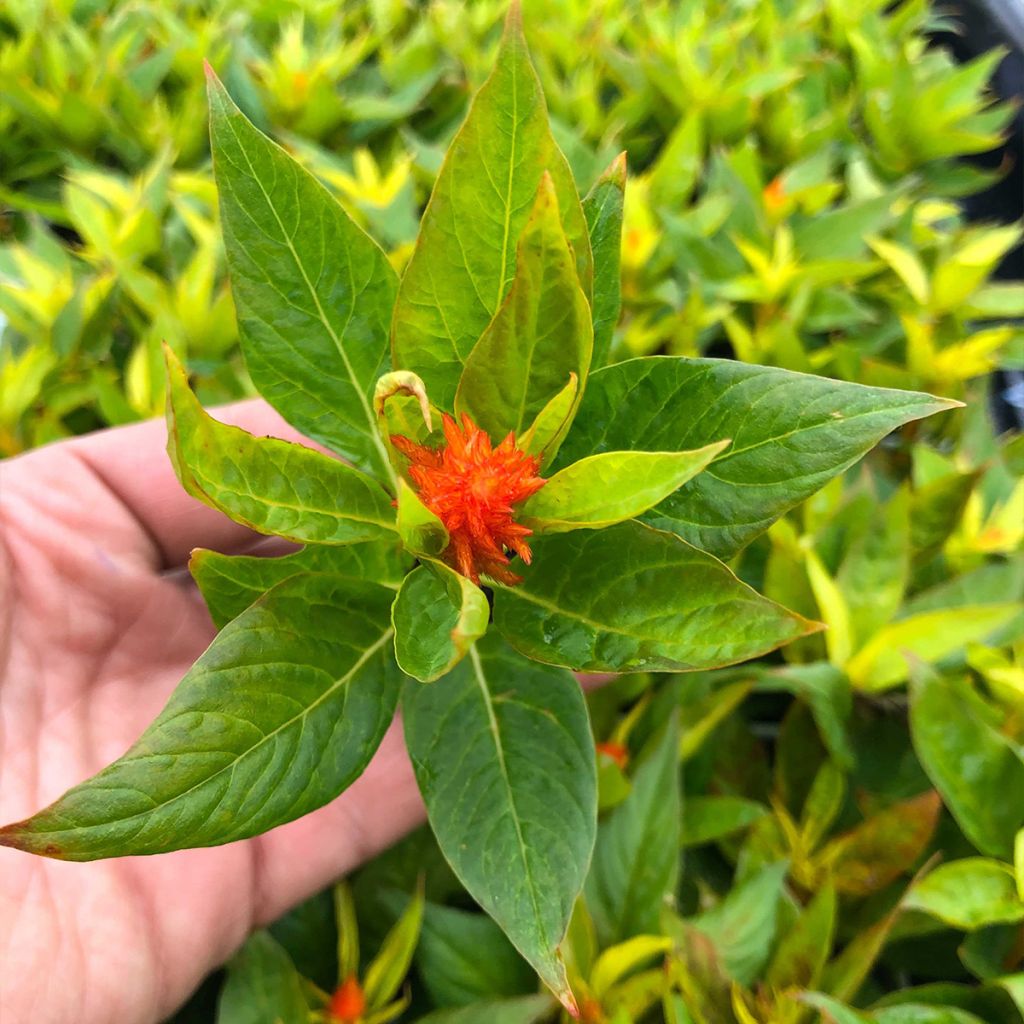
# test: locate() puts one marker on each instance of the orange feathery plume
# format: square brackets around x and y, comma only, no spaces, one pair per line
[472,488]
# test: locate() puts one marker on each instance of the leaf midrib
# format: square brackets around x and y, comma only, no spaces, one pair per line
[307,710]
[371,420]
[481,679]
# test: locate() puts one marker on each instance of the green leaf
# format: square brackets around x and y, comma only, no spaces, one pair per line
[883,847]
[524,1010]
[230,583]
[313,292]
[347,927]
[636,858]
[422,533]
[464,260]
[504,757]
[707,818]
[386,972]
[262,985]
[801,955]
[874,573]
[629,598]
[548,430]
[844,975]
[282,713]
[791,433]
[919,1013]
[906,265]
[929,636]
[742,926]
[464,958]
[539,336]
[968,759]
[603,209]
[833,1011]
[623,959]
[606,489]
[437,616]
[271,486]
[968,894]
[826,691]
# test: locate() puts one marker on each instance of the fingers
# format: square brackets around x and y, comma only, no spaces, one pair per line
[133,464]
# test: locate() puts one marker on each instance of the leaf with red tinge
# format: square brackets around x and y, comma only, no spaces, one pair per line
[883,847]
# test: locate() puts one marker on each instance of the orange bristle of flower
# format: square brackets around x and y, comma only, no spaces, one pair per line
[348,1004]
[618,752]
[471,486]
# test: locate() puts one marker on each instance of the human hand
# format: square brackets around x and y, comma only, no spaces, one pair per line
[98,623]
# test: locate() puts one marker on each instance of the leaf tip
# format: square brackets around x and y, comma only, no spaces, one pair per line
[211,75]
[514,19]
[617,171]
[811,626]
[17,837]
[568,1000]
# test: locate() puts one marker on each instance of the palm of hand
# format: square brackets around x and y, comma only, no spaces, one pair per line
[93,638]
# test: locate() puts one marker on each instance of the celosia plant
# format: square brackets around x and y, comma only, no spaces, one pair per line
[564,517]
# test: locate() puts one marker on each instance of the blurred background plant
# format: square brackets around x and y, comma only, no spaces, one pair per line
[834,832]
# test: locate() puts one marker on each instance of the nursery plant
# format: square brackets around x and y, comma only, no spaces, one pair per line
[795,166]
[489,507]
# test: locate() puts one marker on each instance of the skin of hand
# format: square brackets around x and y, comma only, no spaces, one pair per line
[98,623]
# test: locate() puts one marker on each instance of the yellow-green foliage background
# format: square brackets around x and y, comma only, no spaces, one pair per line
[794,177]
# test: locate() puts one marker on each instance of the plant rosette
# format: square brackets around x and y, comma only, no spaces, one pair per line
[505,509]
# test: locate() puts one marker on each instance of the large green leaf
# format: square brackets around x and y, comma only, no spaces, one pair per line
[464,957]
[540,336]
[742,927]
[636,858]
[631,597]
[603,210]
[791,433]
[262,985]
[272,486]
[504,757]
[230,583]
[282,712]
[929,636]
[804,949]
[522,1010]
[972,764]
[464,260]
[606,489]
[314,293]
[437,616]
[969,893]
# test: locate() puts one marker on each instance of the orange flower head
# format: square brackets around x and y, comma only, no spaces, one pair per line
[472,488]
[348,1003]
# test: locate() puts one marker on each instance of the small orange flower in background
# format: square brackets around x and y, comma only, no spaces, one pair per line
[348,1003]
[472,487]
[774,194]
[618,752]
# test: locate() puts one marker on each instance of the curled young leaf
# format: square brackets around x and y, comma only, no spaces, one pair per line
[437,616]
[272,486]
